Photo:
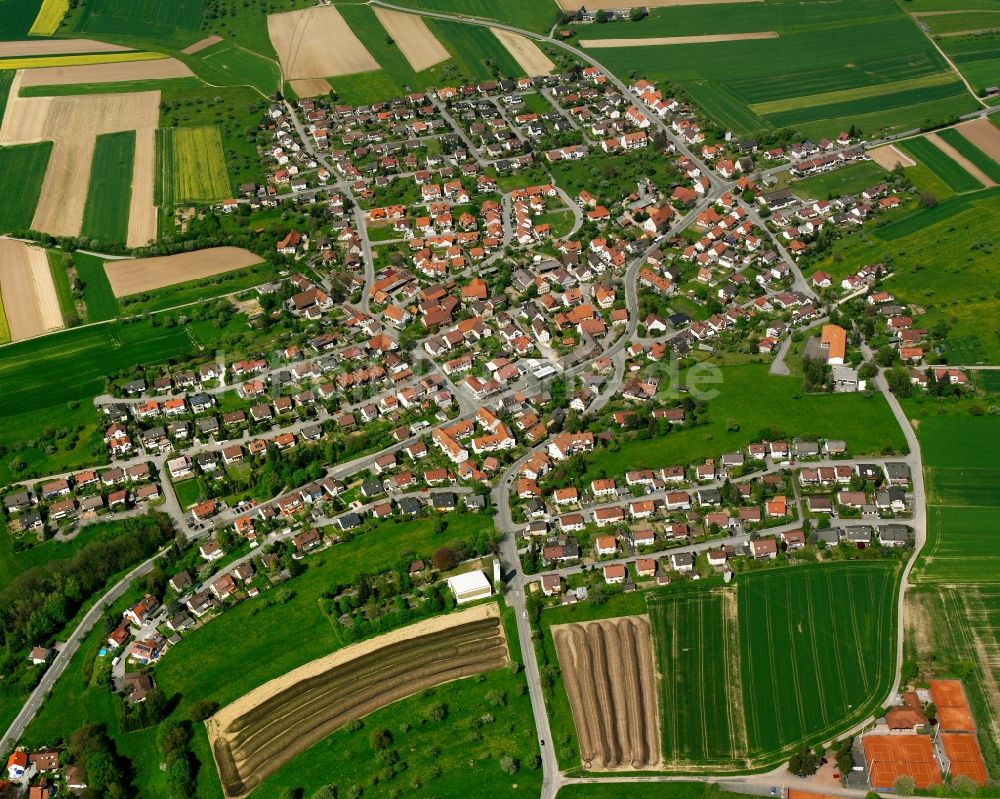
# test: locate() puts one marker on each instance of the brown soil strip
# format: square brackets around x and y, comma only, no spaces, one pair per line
[58,47]
[146,274]
[888,156]
[258,733]
[734,676]
[984,135]
[310,87]
[29,296]
[160,68]
[413,37]
[142,211]
[317,43]
[671,40]
[527,54]
[574,5]
[960,159]
[201,44]
[609,673]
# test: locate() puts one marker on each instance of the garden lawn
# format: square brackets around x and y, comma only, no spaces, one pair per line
[22,170]
[106,213]
[753,404]
[941,164]
[846,180]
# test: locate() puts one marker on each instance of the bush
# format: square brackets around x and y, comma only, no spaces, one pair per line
[509,765]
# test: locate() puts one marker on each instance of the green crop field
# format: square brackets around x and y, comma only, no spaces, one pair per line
[471,46]
[944,262]
[529,14]
[97,295]
[856,62]
[60,279]
[929,154]
[817,646]
[73,364]
[965,147]
[639,790]
[16,17]
[106,213]
[759,401]
[22,170]
[977,57]
[846,180]
[697,649]
[192,165]
[160,20]
[228,64]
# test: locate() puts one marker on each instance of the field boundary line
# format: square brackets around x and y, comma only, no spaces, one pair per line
[794,657]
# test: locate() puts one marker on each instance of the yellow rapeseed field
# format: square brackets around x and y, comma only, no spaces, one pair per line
[76,60]
[49,16]
[199,165]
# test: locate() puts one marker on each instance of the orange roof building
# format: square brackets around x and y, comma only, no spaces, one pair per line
[833,339]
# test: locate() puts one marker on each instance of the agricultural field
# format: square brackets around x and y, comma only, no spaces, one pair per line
[755,402]
[475,50]
[951,286]
[17,17]
[162,20]
[792,668]
[106,213]
[832,65]
[941,164]
[847,180]
[71,430]
[132,72]
[128,277]
[639,790]
[97,294]
[258,733]
[192,166]
[193,291]
[609,675]
[229,64]
[49,16]
[697,637]
[807,668]
[956,137]
[535,16]
[30,303]
[22,170]
[83,60]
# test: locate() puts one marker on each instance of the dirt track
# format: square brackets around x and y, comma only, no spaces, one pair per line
[159,68]
[657,41]
[608,670]
[317,43]
[145,274]
[72,124]
[264,729]
[413,38]
[57,47]
[29,296]
[201,44]
[531,59]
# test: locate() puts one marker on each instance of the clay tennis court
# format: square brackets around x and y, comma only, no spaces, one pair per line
[888,156]
[261,731]
[29,296]
[316,43]
[658,41]
[984,134]
[146,274]
[953,710]
[527,54]
[72,125]
[962,750]
[413,38]
[58,47]
[201,44]
[892,756]
[161,68]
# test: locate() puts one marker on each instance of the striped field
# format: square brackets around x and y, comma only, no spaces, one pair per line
[77,60]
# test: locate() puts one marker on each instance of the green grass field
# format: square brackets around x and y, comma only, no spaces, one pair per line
[817,648]
[4,324]
[105,216]
[758,402]
[977,57]
[471,46]
[534,16]
[73,364]
[944,262]
[228,64]
[97,295]
[833,64]
[192,165]
[152,19]
[846,180]
[22,170]
[16,17]
[72,430]
[927,153]
[60,279]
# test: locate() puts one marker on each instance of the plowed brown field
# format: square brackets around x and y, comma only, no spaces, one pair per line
[261,731]
[607,668]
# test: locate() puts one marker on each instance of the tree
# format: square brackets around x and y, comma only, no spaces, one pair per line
[803,763]
[444,558]
[380,739]
[904,785]
[202,709]
[509,765]
[326,792]
[636,14]
[601,17]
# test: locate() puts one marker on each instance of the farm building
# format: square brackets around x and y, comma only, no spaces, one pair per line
[470,586]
